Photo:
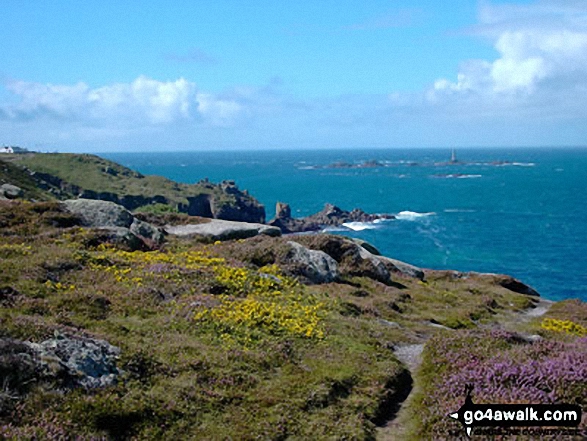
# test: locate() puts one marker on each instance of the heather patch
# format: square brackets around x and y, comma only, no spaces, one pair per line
[503,368]
[217,341]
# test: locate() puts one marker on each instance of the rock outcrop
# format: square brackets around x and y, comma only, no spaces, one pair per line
[121,225]
[218,229]
[316,266]
[9,191]
[63,362]
[78,361]
[227,202]
[508,282]
[330,216]
[355,260]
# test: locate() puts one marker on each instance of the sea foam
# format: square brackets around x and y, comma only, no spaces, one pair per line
[359,226]
[412,215]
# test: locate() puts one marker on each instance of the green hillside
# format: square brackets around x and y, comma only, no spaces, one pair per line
[89,176]
[11,174]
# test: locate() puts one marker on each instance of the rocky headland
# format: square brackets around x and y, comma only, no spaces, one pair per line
[329,216]
[66,176]
[118,323]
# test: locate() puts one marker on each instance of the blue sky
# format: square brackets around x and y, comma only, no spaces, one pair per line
[192,75]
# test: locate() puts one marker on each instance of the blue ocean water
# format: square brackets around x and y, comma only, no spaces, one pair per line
[521,212]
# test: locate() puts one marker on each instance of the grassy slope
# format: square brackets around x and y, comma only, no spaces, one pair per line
[211,347]
[11,174]
[100,175]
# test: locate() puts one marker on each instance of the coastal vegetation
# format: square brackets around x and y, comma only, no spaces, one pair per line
[235,339]
[64,176]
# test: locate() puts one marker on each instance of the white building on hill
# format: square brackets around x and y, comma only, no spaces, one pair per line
[6,150]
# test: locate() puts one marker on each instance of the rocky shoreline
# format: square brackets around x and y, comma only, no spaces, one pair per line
[329,216]
[128,325]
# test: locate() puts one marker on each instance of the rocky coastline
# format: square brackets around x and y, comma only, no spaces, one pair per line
[329,216]
[122,324]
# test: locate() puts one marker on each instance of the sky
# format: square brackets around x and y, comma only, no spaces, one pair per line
[149,75]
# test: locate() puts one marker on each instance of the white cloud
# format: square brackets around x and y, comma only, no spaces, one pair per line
[220,112]
[540,46]
[143,102]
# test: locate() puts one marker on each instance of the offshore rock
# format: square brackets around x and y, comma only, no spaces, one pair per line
[282,211]
[330,216]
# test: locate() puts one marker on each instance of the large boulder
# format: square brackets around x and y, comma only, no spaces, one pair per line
[146,231]
[316,266]
[117,220]
[9,191]
[78,361]
[96,213]
[354,260]
[502,280]
[62,362]
[218,229]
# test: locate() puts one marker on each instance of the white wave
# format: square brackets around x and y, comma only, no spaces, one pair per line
[359,226]
[412,215]
[459,210]
[515,164]
[333,229]
[468,176]
[457,176]
[307,167]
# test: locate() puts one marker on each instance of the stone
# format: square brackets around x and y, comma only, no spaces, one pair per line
[10,191]
[218,229]
[146,231]
[62,361]
[96,213]
[317,266]
[366,245]
[122,226]
[282,211]
[402,267]
[78,361]
[330,216]
[354,260]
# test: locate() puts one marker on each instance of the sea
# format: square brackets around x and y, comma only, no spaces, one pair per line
[521,211]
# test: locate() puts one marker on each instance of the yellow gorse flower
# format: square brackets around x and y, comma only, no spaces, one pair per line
[252,300]
[565,326]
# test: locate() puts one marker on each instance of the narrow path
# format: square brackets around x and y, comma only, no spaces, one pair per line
[411,356]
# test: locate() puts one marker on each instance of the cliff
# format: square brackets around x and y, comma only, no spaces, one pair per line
[65,176]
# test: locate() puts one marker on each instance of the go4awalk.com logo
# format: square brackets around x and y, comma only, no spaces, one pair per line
[508,416]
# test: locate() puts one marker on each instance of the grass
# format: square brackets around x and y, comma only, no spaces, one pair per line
[11,174]
[105,179]
[222,341]
[198,363]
